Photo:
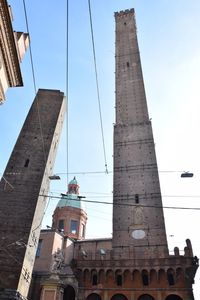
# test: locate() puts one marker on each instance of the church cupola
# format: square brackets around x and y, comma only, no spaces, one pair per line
[70,216]
[73,187]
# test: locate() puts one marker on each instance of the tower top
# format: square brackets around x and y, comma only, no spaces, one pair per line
[124,12]
[73,187]
[71,198]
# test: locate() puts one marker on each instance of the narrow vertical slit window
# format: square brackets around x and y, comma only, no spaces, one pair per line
[26,163]
[136,198]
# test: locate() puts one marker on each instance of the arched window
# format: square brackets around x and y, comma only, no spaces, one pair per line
[146,297]
[94,279]
[69,293]
[170,277]
[119,297]
[173,297]
[119,280]
[145,278]
[93,296]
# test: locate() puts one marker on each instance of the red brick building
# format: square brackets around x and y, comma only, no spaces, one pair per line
[135,264]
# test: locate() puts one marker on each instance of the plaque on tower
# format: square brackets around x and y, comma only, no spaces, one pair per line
[138,234]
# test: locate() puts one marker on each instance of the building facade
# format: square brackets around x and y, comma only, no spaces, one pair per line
[13,46]
[56,248]
[24,189]
[135,264]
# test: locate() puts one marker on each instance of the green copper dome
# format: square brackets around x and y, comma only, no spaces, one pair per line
[73,181]
[71,198]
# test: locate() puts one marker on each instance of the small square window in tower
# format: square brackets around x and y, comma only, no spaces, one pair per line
[73,226]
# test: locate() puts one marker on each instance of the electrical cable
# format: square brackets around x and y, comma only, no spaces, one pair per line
[130,205]
[97,86]
[34,81]
[27,274]
[42,216]
[111,172]
[67,88]
[120,197]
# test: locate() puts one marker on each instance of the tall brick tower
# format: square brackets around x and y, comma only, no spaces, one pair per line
[140,222]
[23,191]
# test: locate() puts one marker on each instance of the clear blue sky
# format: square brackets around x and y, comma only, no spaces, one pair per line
[168,33]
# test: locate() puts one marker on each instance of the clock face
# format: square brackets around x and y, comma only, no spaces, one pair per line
[138,234]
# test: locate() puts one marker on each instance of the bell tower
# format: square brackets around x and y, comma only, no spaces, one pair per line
[70,216]
[138,219]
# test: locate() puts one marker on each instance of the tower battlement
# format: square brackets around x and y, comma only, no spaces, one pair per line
[124,12]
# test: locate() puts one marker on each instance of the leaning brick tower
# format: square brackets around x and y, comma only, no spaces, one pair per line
[23,191]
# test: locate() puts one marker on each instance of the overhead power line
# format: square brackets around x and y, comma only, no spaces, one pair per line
[110,195]
[34,81]
[67,87]
[97,85]
[127,204]
[111,172]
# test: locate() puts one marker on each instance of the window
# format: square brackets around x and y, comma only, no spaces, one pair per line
[94,279]
[73,226]
[26,163]
[170,279]
[61,225]
[145,278]
[39,247]
[119,280]
[136,198]
[83,230]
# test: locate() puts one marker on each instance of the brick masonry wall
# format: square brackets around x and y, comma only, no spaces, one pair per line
[136,182]
[25,181]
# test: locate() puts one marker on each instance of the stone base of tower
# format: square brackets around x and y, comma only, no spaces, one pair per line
[8,294]
[52,288]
